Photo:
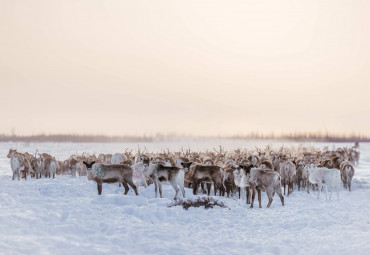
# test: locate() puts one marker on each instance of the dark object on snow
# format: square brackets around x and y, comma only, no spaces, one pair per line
[207,202]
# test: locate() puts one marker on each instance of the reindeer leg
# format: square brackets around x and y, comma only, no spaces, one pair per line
[100,187]
[181,184]
[202,188]
[298,185]
[253,196]
[269,195]
[131,183]
[349,185]
[195,186]
[188,185]
[160,189]
[156,188]
[209,185]
[124,183]
[308,187]
[288,184]
[174,186]
[284,187]
[218,187]
[248,195]
[292,186]
[278,191]
[259,198]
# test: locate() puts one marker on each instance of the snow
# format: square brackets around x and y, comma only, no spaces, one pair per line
[66,216]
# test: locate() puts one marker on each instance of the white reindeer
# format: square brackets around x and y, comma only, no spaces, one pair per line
[325,177]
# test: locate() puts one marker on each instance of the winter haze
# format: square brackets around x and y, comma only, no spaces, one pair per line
[186,67]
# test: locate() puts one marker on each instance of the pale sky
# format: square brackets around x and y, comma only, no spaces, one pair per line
[187,67]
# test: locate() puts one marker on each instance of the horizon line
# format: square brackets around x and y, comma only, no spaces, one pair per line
[299,137]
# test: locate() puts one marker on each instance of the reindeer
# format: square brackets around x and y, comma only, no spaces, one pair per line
[287,173]
[118,158]
[19,164]
[324,177]
[242,178]
[347,171]
[228,179]
[49,166]
[102,173]
[197,173]
[266,164]
[300,164]
[268,180]
[159,174]
[36,165]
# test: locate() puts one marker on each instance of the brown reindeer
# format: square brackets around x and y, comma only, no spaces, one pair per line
[288,172]
[198,173]
[346,172]
[102,173]
[268,180]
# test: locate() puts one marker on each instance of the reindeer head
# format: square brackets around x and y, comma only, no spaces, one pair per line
[237,169]
[247,168]
[145,159]
[88,165]
[186,166]
[11,153]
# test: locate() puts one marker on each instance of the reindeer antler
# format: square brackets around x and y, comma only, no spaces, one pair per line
[258,149]
[267,148]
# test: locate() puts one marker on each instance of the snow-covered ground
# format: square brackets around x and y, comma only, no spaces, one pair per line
[66,216]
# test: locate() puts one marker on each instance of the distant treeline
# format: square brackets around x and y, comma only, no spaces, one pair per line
[74,138]
[148,139]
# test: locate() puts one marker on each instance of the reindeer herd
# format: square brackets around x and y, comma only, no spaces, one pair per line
[239,172]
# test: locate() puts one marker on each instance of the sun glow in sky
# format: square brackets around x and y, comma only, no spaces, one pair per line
[187,67]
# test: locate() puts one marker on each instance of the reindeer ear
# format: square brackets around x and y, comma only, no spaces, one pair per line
[92,163]
[85,163]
